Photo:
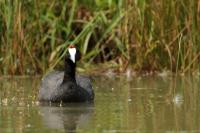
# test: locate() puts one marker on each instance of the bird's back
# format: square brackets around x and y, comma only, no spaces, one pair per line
[51,84]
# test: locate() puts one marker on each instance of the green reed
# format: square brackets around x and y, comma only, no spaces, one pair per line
[164,34]
[140,34]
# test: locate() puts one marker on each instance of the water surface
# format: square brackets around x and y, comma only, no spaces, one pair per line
[140,104]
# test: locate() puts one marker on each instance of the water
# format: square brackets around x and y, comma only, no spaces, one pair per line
[142,104]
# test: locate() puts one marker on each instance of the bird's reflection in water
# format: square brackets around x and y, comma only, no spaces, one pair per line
[68,117]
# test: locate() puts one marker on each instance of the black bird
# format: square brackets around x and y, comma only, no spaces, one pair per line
[64,85]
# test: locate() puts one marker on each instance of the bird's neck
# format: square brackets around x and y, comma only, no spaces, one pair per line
[70,71]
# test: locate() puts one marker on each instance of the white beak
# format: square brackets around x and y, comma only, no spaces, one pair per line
[72,52]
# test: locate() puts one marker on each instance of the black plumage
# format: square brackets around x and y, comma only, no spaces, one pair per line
[65,85]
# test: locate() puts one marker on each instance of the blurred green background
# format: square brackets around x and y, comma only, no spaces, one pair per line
[143,35]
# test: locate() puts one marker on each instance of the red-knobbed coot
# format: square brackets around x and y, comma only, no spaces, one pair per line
[65,85]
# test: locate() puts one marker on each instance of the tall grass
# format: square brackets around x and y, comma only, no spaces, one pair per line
[142,34]
[164,34]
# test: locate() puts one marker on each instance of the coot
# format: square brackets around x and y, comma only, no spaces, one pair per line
[65,85]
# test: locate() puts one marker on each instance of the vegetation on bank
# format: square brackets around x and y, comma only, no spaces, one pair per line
[143,35]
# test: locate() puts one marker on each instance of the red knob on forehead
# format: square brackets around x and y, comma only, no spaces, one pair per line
[72,46]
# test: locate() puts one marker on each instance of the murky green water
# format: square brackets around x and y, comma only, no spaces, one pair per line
[142,104]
